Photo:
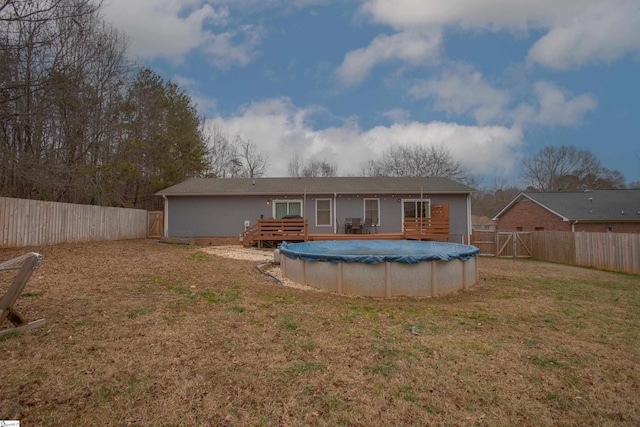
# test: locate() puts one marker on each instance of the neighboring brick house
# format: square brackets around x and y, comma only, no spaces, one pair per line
[593,211]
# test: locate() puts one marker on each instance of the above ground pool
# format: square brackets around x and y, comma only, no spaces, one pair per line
[381,268]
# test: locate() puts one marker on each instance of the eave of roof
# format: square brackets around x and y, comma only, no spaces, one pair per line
[336,185]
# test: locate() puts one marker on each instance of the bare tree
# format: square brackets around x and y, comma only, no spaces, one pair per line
[489,201]
[294,167]
[76,125]
[298,167]
[223,157]
[567,168]
[371,168]
[636,184]
[60,75]
[254,163]
[418,160]
[319,168]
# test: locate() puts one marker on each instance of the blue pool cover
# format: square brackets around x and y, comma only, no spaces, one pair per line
[377,251]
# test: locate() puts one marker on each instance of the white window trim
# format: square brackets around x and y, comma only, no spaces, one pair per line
[275,201]
[330,224]
[364,203]
[402,201]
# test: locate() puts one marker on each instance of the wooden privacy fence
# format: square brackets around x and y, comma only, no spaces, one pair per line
[156,224]
[606,251]
[509,244]
[37,223]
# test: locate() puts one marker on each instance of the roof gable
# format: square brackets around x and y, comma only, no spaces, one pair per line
[341,185]
[594,205]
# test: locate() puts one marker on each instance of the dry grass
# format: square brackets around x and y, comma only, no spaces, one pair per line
[140,333]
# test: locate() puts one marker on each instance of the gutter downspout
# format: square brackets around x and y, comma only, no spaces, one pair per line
[335,213]
[165,232]
[421,218]
[469,226]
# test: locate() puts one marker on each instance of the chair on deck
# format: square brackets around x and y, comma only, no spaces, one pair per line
[347,225]
[356,225]
[29,262]
[368,225]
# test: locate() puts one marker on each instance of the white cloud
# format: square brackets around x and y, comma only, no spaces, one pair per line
[557,108]
[554,107]
[225,53]
[397,115]
[172,28]
[494,15]
[280,129]
[461,91]
[414,48]
[579,32]
[260,5]
[602,33]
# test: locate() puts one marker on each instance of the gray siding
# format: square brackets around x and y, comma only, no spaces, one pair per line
[213,216]
[206,216]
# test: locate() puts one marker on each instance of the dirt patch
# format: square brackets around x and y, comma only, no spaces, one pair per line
[142,333]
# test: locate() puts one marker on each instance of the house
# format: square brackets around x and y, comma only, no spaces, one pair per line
[216,207]
[483,223]
[592,211]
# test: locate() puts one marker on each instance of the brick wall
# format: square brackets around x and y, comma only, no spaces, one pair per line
[615,227]
[529,216]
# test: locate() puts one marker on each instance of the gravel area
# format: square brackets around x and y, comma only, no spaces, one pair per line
[260,256]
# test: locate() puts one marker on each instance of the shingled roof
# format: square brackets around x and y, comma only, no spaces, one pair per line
[340,185]
[585,206]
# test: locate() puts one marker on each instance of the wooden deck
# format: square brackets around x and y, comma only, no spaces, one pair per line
[267,233]
[271,232]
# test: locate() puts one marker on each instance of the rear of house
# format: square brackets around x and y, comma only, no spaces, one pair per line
[211,207]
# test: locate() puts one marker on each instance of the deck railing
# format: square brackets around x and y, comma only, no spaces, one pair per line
[275,230]
[426,229]
[267,232]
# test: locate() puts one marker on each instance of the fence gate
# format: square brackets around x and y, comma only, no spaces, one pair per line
[485,240]
[156,224]
[513,244]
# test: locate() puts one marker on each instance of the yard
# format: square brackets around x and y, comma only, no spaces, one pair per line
[141,333]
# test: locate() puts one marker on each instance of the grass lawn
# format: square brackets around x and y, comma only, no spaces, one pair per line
[140,333]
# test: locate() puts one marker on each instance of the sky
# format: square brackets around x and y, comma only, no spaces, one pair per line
[341,81]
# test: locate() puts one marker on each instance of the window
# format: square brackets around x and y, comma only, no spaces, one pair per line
[416,208]
[323,213]
[539,228]
[372,210]
[282,208]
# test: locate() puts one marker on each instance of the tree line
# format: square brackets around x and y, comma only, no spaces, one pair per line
[81,123]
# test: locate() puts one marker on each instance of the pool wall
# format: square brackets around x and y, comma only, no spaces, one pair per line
[385,279]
